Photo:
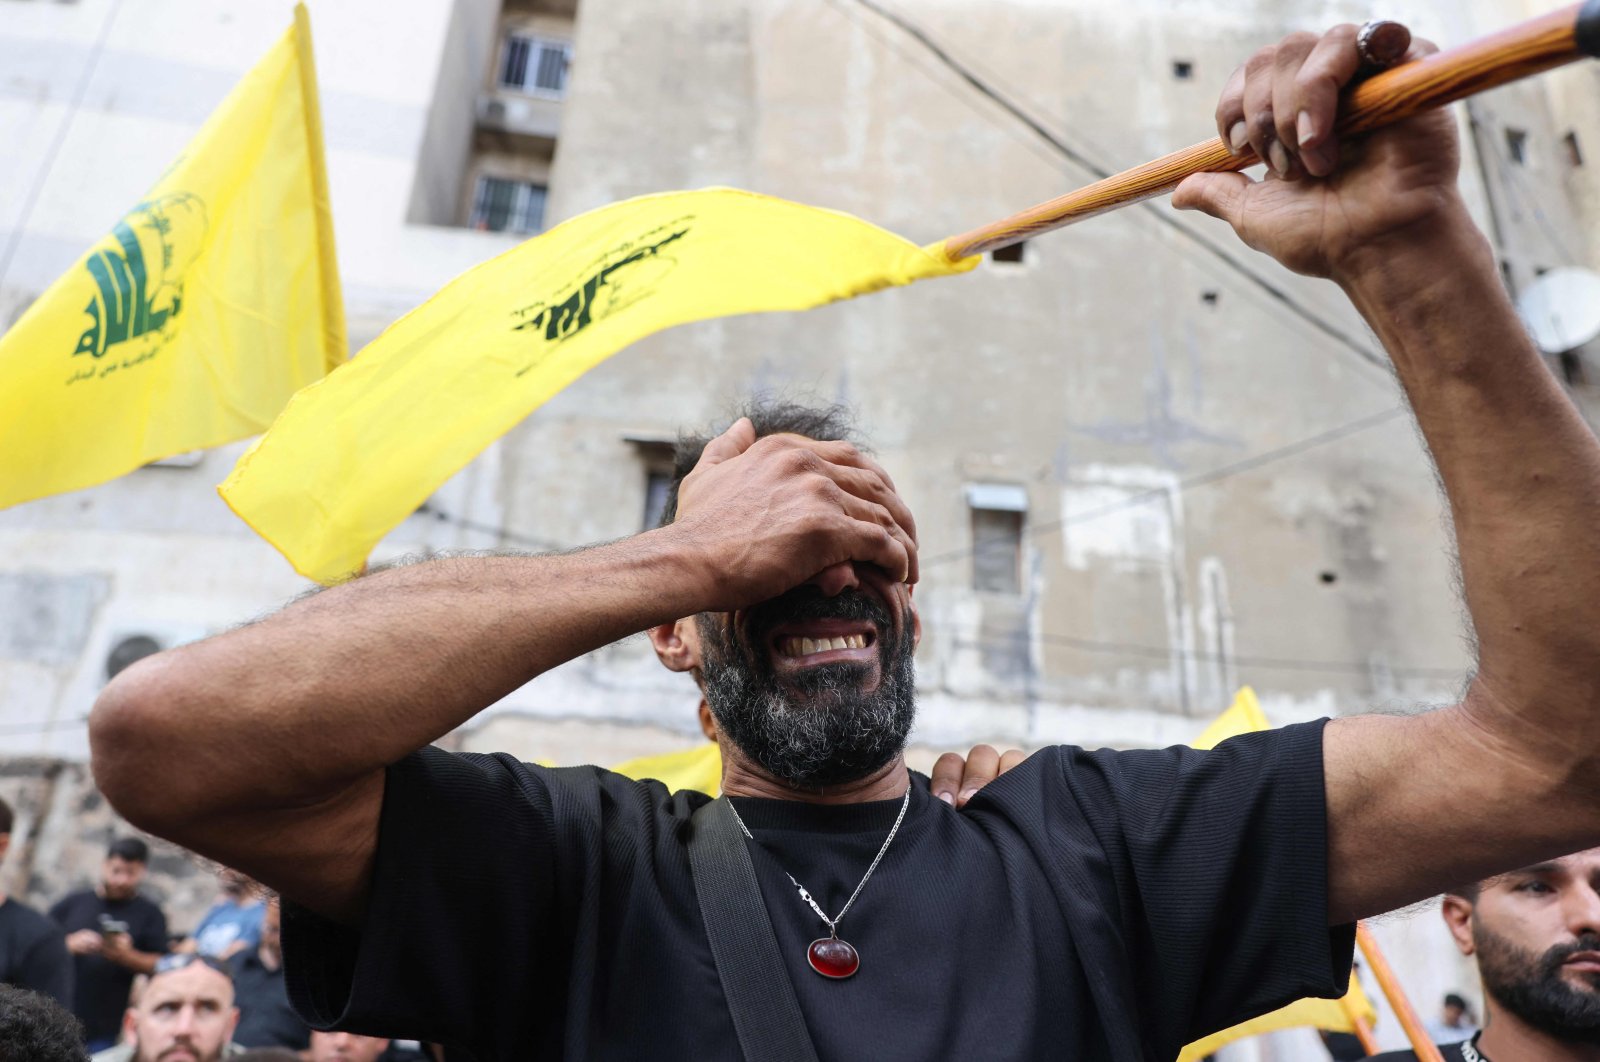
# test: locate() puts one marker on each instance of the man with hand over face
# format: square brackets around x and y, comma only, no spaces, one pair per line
[1099,906]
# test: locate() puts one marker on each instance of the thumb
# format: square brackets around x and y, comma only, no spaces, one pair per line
[739,437]
[1219,194]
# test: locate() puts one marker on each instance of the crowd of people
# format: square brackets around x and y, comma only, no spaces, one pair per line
[100,976]
[1102,906]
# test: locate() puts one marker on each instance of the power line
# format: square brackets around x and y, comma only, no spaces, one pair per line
[1201,479]
[502,533]
[1015,110]
[1513,180]
[44,728]
[82,89]
[1165,653]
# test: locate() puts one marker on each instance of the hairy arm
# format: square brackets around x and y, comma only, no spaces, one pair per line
[1512,773]
[265,748]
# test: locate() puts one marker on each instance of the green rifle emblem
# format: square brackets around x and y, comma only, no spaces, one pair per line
[577,311]
[140,276]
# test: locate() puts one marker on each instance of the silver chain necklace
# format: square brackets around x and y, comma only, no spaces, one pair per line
[830,956]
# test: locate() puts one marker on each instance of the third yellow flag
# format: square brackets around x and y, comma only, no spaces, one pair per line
[358,452]
[192,322]
[1244,716]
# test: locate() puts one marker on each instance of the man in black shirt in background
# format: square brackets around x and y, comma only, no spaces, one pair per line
[265,1017]
[33,953]
[1536,935]
[1096,906]
[113,934]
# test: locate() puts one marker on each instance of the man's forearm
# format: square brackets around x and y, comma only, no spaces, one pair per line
[1522,472]
[140,962]
[290,709]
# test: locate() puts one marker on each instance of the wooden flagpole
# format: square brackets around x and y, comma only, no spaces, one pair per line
[1358,1022]
[1421,1042]
[1528,48]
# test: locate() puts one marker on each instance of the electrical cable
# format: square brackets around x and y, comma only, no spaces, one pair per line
[1164,653]
[82,90]
[1512,180]
[1279,294]
[43,728]
[1201,479]
[502,533]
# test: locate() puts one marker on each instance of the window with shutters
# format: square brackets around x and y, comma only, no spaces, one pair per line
[537,65]
[998,513]
[502,205]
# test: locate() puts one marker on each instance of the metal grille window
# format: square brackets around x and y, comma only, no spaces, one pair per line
[1517,146]
[656,485]
[536,64]
[501,205]
[998,512]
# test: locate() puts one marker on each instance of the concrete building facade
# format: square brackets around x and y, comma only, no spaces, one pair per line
[1148,465]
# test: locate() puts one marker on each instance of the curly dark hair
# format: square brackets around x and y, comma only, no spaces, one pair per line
[770,417]
[35,1028]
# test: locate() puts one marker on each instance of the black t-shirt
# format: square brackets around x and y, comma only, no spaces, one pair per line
[1086,905]
[1460,1051]
[265,1017]
[100,986]
[33,953]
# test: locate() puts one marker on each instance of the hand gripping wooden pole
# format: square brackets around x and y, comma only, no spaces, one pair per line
[1528,48]
[1421,1042]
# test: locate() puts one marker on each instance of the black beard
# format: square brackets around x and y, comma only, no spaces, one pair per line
[838,733]
[1531,986]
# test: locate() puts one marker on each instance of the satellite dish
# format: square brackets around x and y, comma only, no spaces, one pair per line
[1562,309]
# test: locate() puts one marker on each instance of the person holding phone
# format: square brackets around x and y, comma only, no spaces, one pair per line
[113,934]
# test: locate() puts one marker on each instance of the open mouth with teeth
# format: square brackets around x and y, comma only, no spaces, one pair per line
[811,646]
[816,642]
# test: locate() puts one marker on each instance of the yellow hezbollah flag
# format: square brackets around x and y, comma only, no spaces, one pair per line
[1335,1015]
[355,454]
[209,304]
[699,768]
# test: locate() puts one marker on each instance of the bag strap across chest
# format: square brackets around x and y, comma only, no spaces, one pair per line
[766,1014]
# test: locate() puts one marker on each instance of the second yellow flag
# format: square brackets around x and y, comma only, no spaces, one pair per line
[357,453]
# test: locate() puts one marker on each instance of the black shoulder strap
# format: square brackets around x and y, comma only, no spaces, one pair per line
[766,1014]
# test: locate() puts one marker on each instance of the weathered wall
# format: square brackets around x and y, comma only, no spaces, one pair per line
[1199,460]
[60,835]
[1219,491]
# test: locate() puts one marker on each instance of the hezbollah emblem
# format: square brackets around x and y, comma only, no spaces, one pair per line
[624,275]
[139,273]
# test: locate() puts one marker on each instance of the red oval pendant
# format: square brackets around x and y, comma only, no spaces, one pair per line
[832,957]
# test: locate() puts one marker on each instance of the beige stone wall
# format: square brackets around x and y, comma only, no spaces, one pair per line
[59,839]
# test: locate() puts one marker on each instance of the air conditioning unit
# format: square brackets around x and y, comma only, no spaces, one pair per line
[491,111]
[131,642]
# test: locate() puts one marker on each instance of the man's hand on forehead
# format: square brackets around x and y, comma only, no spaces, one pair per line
[766,515]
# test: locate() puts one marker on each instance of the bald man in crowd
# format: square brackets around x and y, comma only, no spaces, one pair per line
[184,1013]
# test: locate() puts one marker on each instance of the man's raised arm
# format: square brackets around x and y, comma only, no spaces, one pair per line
[1510,775]
[265,748]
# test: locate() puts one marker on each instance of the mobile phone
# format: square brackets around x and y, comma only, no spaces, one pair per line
[110,926]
